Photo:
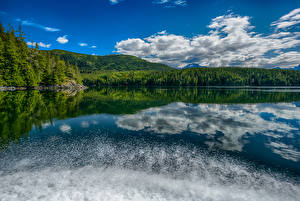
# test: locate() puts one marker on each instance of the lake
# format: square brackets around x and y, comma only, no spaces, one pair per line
[207,144]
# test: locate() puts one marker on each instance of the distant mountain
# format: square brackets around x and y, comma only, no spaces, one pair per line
[87,62]
[293,68]
[193,65]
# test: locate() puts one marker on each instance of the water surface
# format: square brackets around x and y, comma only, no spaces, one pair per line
[150,144]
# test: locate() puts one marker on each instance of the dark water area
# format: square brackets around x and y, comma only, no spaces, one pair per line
[151,144]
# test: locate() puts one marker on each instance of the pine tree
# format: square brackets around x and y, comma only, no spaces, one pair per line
[2,60]
[12,73]
[27,71]
[24,66]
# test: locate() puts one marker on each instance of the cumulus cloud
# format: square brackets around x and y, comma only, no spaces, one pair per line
[82,44]
[171,3]
[62,39]
[93,46]
[235,122]
[29,23]
[230,42]
[40,44]
[288,20]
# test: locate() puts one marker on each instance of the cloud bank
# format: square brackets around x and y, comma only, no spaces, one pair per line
[230,42]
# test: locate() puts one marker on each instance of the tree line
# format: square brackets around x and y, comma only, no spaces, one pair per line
[29,67]
[226,76]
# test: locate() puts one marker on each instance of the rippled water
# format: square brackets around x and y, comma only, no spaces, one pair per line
[133,145]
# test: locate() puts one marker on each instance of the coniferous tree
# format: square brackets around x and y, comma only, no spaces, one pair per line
[2,59]
[24,66]
[12,70]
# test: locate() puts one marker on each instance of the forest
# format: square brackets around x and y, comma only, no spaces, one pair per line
[91,63]
[22,66]
[227,76]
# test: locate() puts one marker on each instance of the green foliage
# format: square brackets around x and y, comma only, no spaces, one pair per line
[20,111]
[195,77]
[29,67]
[90,63]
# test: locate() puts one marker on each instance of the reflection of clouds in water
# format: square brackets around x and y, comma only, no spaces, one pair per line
[46,125]
[285,151]
[234,121]
[84,124]
[65,128]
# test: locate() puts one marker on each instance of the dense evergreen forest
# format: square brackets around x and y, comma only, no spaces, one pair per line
[227,76]
[28,67]
[90,63]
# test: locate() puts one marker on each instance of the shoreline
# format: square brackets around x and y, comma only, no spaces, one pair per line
[77,87]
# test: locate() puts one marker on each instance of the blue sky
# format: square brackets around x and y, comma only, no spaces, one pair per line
[261,33]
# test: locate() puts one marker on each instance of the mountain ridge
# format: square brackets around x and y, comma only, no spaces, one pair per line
[119,62]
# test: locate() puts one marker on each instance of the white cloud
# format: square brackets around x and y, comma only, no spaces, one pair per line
[29,23]
[62,39]
[82,44]
[114,1]
[93,46]
[171,3]
[288,20]
[180,2]
[161,1]
[51,29]
[162,32]
[40,44]
[230,42]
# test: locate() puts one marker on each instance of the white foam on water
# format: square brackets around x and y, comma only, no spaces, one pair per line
[131,169]
[90,183]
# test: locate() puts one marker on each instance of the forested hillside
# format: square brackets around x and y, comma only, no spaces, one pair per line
[196,77]
[29,67]
[89,63]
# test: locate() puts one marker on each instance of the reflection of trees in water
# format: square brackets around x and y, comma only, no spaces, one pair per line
[22,110]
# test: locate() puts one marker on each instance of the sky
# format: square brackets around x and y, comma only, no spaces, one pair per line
[213,33]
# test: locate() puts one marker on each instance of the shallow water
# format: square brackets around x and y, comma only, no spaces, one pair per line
[151,144]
